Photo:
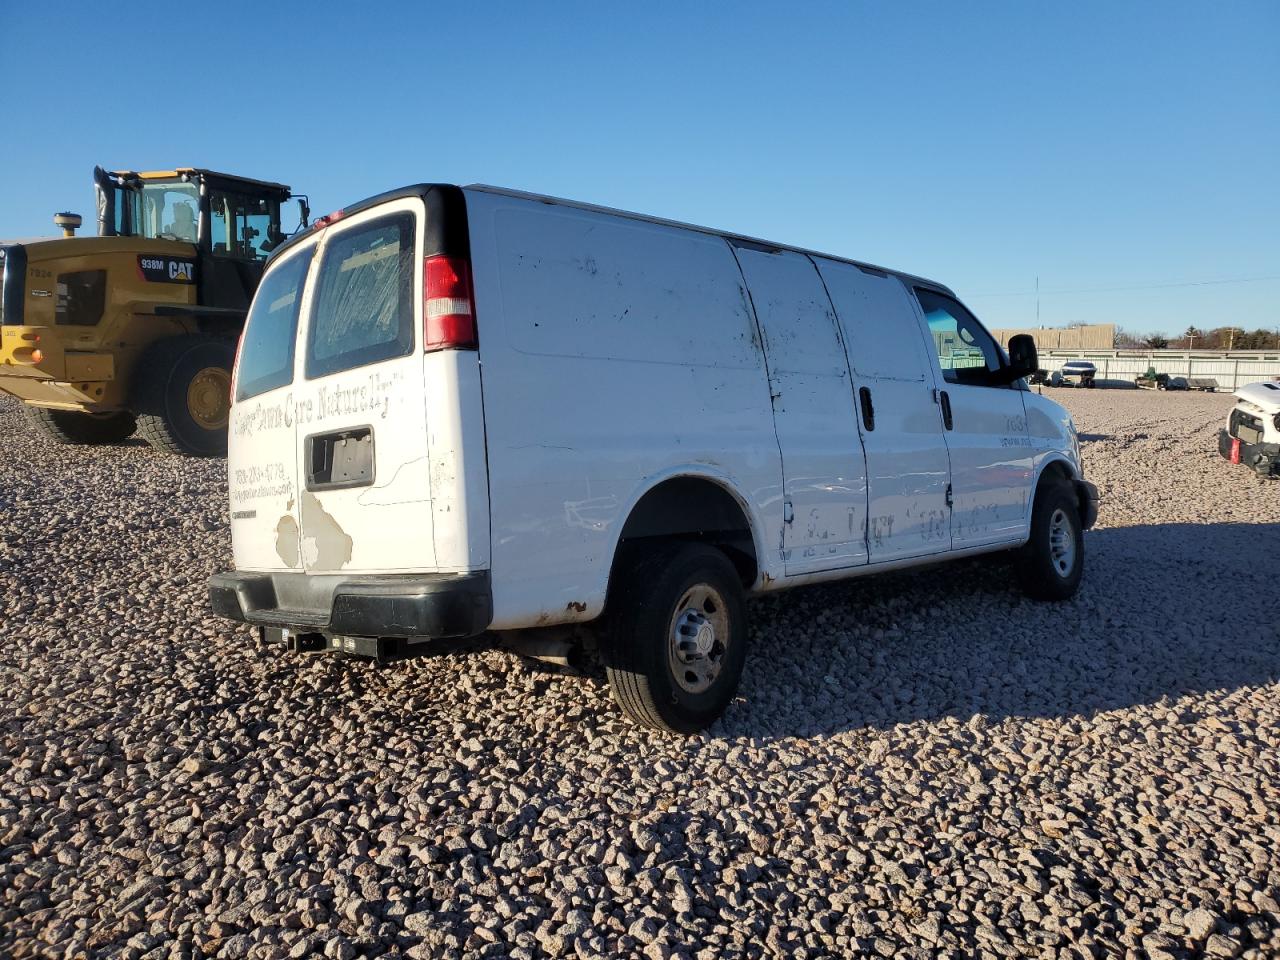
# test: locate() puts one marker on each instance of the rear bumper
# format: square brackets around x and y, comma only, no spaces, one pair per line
[1088,496]
[1263,457]
[441,606]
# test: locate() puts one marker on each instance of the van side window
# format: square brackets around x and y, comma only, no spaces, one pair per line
[266,353]
[966,352]
[364,297]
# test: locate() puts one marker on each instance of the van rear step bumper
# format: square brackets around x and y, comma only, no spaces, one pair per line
[445,606]
[1263,457]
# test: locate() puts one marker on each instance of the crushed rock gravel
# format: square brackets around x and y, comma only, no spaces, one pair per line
[924,764]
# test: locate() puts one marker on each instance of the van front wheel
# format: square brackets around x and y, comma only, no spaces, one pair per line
[1052,562]
[676,637]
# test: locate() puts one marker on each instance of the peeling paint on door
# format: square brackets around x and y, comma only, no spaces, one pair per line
[287,540]
[325,545]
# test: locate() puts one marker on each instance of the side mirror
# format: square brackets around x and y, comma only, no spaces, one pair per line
[1023,360]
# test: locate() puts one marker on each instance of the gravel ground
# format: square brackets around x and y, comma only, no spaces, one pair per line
[919,765]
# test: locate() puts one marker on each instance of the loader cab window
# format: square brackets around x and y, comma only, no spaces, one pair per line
[244,227]
[266,348]
[166,211]
[966,352]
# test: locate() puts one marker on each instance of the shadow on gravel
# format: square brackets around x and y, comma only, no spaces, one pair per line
[1165,610]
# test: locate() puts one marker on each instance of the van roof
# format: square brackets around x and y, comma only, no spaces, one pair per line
[423,188]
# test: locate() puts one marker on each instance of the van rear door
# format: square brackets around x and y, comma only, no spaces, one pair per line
[365,498]
[262,463]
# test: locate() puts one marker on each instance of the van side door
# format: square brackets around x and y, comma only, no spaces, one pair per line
[824,473]
[985,423]
[907,465]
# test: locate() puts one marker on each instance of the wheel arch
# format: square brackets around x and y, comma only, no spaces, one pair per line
[697,504]
[1057,468]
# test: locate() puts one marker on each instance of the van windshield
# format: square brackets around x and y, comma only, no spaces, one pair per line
[266,353]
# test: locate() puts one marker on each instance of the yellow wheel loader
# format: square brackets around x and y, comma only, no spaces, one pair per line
[135,329]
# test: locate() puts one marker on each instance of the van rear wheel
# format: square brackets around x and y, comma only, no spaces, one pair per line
[70,426]
[676,636]
[183,395]
[1051,563]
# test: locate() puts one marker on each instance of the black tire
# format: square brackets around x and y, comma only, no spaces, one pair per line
[649,593]
[69,426]
[176,395]
[1040,564]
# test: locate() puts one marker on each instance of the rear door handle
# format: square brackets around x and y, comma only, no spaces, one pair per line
[339,460]
[946,409]
[868,409]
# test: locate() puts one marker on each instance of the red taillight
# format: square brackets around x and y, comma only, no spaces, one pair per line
[448,304]
[1235,449]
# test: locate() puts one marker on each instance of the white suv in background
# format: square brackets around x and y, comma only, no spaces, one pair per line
[1252,433]
[460,410]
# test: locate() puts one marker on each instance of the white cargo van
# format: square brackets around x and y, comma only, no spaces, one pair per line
[460,410]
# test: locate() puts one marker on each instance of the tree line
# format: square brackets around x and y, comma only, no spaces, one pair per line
[1218,338]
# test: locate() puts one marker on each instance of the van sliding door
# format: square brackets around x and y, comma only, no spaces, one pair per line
[907,465]
[824,474]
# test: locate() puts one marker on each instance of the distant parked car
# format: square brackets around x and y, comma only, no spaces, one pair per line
[1073,372]
[1252,434]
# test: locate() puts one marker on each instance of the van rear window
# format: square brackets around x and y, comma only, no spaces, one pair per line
[266,355]
[364,297]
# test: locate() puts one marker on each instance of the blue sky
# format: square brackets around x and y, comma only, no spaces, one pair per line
[1095,145]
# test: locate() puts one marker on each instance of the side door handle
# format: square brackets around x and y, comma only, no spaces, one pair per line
[946,409]
[868,409]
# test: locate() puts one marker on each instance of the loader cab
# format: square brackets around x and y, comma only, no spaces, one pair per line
[233,222]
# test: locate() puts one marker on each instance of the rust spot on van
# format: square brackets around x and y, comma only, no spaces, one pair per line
[327,546]
[576,606]
[287,540]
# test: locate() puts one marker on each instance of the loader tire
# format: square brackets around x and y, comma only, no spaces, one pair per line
[87,429]
[182,395]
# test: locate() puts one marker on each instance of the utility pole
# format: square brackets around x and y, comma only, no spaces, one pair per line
[1037,300]
[1191,339]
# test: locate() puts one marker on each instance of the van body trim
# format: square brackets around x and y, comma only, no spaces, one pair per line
[444,605]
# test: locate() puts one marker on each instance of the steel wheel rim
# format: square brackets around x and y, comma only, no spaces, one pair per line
[1062,543]
[698,638]
[209,398]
